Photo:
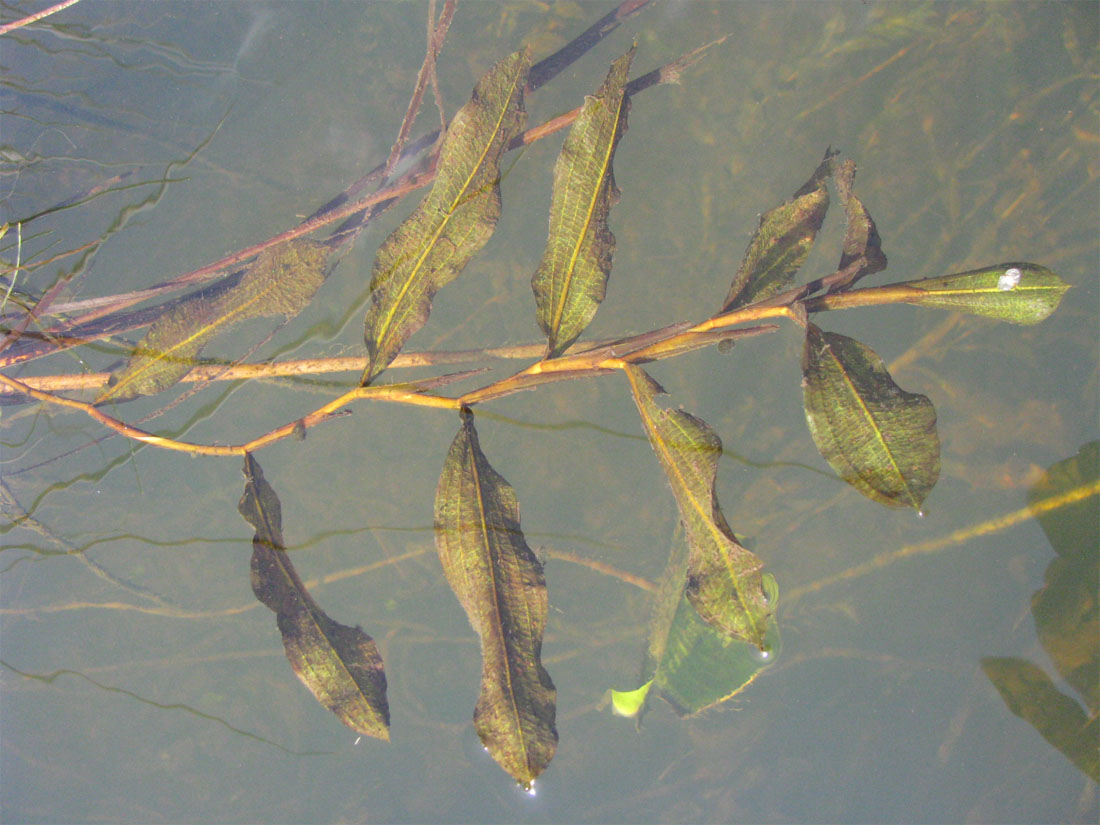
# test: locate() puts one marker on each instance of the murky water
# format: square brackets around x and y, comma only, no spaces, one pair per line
[143,682]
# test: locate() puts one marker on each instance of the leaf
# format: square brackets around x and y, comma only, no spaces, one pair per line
[571,280]
[700,668]
[501,586]
[877,437]
[1030,694]
[1065,608]
[723,581]
[689,663]
[280,281]
[340,665]
[1020,293]
[1073,530]
[862,254]
[455,220]
[629,703]
[782,241]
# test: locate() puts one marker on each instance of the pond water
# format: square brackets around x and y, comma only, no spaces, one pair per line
[142,681]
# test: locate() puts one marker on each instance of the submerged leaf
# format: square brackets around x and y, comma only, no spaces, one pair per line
[1030,694]
[723,581]
[281,281]
[877,437]
[1020,293]
[629,703]
[340,665]
[501,586]
[700,668]
[782,241]
[689,663]
[1066,608]
[571,280]
[455,220]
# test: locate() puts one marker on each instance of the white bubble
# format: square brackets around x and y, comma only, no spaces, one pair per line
[1009,280]
[762,656]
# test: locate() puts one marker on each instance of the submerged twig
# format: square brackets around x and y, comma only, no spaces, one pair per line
[437,32]
[38,15]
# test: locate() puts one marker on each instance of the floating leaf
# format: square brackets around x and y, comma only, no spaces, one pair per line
[782,241]
[723,580]
[1030,694]
[340,665]
[500,585]
[571,280]
[862,254]
[1020,293]
[877,437]
[454,220]
[281,281]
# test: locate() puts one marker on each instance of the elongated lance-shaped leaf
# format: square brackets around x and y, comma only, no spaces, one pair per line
[877,437]
[723,581]
[862,254]
[1018,292]
[501,586]
[782,241]
[340,665]
[281,281]
[455,219]
[571,280]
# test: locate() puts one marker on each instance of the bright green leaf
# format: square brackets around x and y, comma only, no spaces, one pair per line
[629,703]
[1020,293]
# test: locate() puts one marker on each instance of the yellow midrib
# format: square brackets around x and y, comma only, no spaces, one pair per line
[449,212]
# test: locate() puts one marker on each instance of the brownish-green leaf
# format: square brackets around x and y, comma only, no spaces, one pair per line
[281,281]
[1030,694]
[862,254]
[454,220]
[1020,293]
[723,581]
[571,280]
[340,665]
[877,437]
[501,586]
[782,241]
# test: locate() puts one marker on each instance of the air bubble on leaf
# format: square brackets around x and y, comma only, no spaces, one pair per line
[1009,280]
[771,589]
[763,655]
